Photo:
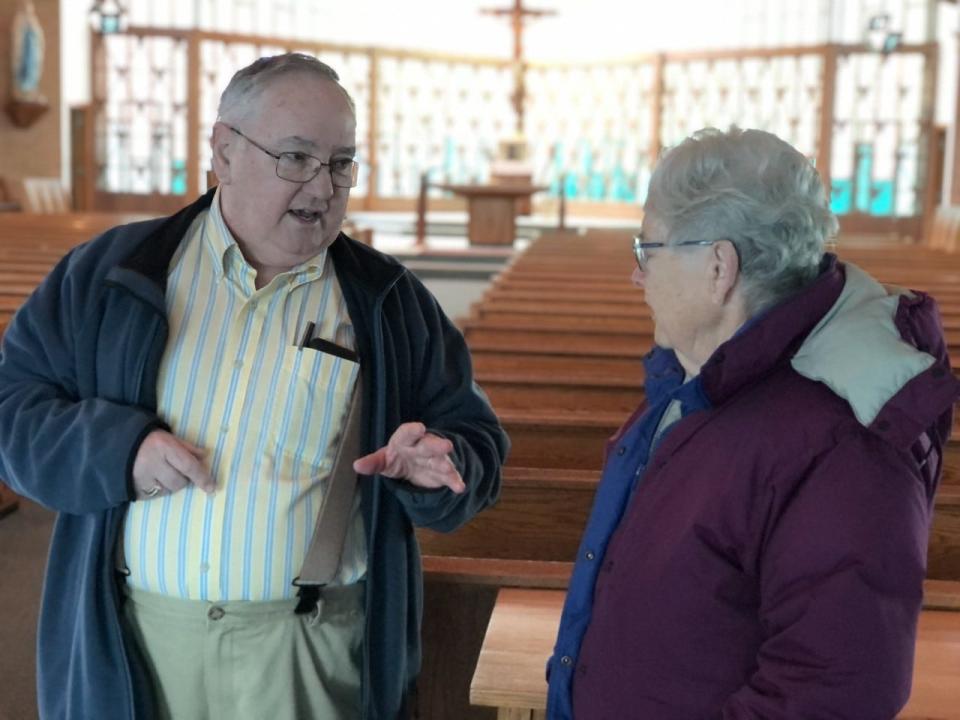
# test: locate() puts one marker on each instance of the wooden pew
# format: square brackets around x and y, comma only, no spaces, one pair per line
[542,514]
[583,390]
[463,587]
[510,670]
[8,500]
[530,539]
[944,232]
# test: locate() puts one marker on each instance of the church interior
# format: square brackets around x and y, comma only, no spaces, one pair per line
[505,151]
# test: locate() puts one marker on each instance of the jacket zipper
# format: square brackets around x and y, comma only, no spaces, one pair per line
[380,421]
[149,352]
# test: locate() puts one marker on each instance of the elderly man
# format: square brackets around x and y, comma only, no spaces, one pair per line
[182,392]
[757,546]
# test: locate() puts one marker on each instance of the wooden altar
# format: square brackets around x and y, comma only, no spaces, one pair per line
[492,210]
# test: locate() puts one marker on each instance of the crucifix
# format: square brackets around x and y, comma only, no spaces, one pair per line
[518,15]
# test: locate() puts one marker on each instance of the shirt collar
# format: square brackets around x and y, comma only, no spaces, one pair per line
[665,379]
[229,260]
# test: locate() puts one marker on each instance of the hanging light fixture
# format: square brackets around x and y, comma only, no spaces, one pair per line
[108,16]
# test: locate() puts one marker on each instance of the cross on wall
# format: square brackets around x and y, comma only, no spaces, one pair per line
[518,15]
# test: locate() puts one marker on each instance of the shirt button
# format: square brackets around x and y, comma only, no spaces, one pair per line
[215,613]
[224,428]
[589,555]
[204,567]
[238,364]
[566,660]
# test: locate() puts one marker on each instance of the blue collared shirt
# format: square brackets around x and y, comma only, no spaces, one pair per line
[622,473]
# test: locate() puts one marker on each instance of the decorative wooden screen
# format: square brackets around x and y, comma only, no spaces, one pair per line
[780,93]
[881,123]
[439,115]
[140,101]
[591,128]
[865,118]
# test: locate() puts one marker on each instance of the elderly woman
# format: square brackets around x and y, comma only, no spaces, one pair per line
[757,545]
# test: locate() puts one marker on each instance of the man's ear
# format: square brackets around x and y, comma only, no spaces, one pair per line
[724,271]
[221,143]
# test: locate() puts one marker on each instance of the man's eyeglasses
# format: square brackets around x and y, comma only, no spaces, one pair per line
[640,248]
[299,167]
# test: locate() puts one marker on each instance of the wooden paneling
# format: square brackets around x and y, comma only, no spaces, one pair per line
[528,523]
[8,501]
[449,661]
[943,557]
[628,211]
[32,151]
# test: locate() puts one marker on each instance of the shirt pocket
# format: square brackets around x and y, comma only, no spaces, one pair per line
[313,397]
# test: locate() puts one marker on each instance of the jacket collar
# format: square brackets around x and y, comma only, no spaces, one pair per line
[355,263]
[831,332]
[771,339]
[362,268]
[152,256]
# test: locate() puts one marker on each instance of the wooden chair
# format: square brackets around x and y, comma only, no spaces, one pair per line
[945,231]
[8,203]
[45,196]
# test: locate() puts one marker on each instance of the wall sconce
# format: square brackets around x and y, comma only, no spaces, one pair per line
[879,37]
[108,16]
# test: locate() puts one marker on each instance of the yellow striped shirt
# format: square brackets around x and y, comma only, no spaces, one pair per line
[233,381]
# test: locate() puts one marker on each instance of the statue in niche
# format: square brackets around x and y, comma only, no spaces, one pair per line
[27,59]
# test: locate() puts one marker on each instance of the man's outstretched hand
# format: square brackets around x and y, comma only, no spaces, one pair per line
[419,457]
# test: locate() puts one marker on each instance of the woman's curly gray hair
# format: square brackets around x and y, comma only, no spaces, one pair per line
[754,189]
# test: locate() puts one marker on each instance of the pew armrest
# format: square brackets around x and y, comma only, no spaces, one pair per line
[941,595]
[494,571]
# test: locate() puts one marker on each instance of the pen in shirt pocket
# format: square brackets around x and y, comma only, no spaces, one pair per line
[326,346]
[307,335]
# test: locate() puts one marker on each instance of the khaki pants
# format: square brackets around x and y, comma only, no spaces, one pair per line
[236,660]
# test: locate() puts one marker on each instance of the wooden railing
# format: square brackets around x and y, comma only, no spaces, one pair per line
[370,88]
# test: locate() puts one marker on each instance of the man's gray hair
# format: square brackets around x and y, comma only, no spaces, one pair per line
[754,189]
[247,83]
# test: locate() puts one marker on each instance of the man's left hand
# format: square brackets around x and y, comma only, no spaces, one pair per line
[419,457]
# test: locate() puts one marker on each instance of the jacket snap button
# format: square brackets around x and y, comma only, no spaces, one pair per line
[589,555]
[566,660]
[215,613]
[621,450]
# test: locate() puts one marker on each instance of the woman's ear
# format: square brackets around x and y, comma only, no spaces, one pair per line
[725,270]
